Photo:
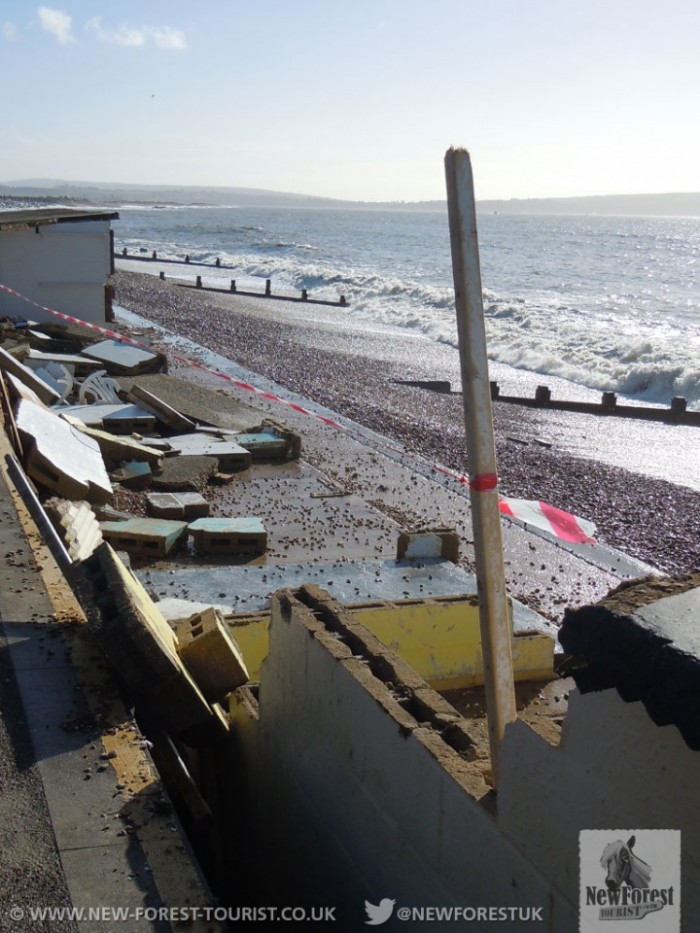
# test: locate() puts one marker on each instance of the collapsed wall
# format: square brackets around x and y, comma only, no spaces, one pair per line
[363,783]
[366,782]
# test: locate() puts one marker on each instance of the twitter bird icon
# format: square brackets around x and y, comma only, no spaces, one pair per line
[379,913]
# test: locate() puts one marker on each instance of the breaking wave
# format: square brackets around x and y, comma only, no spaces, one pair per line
[613,305]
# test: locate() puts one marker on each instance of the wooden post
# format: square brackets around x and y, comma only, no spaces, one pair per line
[304,295]
[198,281]
[155,255]
[162,275]
[268,287]
[494,615]
[218,262]
[233,285]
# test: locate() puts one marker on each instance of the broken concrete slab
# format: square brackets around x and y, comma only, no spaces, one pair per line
[231,457]
[61,457]
[20,390]
[164,412]
[183,506]
[28,377]
[114,448]
[79,365]
[147,537]
[198,403]
[134,474]
[123,358]
[210,653]
[245,535]
[77,526]
[143,648]
[119,418]
[183,473]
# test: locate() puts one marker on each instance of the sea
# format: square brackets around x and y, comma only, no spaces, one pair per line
[604,303]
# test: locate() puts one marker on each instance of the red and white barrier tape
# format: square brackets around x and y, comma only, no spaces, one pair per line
[563,525]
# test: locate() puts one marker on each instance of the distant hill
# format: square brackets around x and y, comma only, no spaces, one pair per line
[674,204]
[678,205]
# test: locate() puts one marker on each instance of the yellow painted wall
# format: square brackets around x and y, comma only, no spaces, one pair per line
[439,638]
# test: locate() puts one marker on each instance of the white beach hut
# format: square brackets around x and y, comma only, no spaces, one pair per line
[59,258]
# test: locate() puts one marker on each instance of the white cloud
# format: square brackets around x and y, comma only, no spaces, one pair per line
[164,37]
[10,32]
[57,23]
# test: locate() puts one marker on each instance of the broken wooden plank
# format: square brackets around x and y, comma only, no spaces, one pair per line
[116,448]
[8,417]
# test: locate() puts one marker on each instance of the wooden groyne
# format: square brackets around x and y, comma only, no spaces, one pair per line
[676,413]
[233,288]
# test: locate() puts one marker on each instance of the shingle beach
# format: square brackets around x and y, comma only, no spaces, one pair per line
[352,370]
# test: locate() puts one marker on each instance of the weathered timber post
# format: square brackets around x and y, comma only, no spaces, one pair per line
[198,281]
[233,285]
[494,615]
[268,287]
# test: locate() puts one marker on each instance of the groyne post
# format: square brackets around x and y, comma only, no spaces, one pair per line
[268,287]
[494,615]
[233,285]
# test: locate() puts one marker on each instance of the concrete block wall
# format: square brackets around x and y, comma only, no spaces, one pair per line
[360,791]
[359,798]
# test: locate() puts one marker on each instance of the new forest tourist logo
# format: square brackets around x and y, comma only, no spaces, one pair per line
[627,876]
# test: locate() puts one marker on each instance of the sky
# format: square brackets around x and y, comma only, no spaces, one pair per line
[355,99]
